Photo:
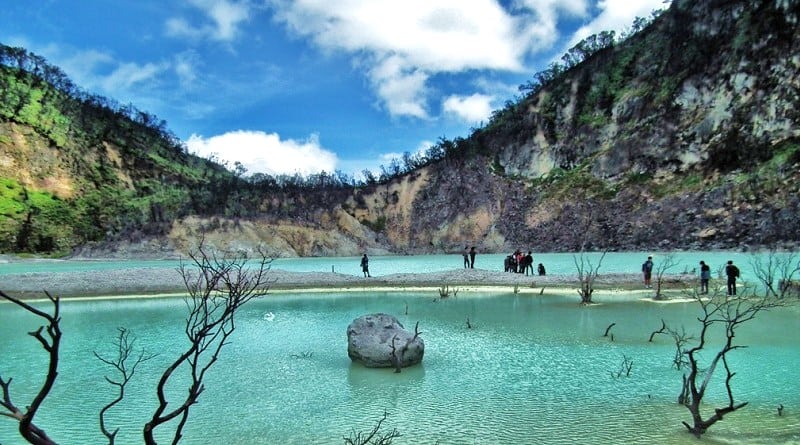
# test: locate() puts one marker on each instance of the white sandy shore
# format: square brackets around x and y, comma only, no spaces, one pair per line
[152,281]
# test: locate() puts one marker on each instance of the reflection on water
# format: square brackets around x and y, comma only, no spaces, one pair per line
[532,369]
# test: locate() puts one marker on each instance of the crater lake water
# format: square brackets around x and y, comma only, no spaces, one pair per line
[556,263]
[532,369]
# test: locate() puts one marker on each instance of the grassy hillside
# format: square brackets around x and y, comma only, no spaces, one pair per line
[76,168]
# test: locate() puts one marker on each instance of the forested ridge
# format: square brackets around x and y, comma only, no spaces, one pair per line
[682,133]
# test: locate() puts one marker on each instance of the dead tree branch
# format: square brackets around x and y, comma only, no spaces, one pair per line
[624,368]
[50,341]
[373,436]
[121,363]
[399,353]
[681,338]
[662,330]
[218,286]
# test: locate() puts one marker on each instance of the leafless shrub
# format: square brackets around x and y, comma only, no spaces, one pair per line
[587,274]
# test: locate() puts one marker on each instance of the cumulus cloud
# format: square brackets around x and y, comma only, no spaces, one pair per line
[262,152]
[223,18]
[473,109]
[405,43]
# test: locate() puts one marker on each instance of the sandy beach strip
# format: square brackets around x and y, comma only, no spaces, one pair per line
[167,281]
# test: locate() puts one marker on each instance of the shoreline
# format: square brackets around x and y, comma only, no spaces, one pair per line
[165,282]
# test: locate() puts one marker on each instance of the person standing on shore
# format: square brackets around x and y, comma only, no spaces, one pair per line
[365,265]
[647,271]
[733,273]
[466,257]
[528,259]
[705,275]
[472,254]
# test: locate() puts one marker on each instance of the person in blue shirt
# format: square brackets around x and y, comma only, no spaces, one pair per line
[647,271]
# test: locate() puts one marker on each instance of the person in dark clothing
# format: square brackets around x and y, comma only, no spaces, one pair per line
[732,273]
[365,265]
[472,254]
[647,271]
[528,260]
[466,257]
[541,269]
[705,275]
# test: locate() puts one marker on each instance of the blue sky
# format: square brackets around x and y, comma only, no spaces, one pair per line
[310,85]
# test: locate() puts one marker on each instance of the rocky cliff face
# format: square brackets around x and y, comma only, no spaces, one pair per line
[684,136]
[711,85]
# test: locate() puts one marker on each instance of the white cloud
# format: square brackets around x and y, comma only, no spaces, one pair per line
[100,72]
[179,27]
[405,43]
[472,109]
[185,66]
[223,20]
[401,87]
[262,152]
[126,75]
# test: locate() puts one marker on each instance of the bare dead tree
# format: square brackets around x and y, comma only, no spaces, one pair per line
[587,274]
[373,436]
[726,313]
[776,272]
[49,337]
[218,286]
[661,269]
[122,364]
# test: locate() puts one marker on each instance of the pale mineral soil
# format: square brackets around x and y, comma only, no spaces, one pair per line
[165,281]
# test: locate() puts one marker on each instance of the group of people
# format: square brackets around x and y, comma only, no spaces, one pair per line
[516,262]
[519,263]
[731,273]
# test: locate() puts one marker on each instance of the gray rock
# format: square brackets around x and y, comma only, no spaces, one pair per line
[369,341]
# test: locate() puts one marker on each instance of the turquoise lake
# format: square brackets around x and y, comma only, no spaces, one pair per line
[533,369]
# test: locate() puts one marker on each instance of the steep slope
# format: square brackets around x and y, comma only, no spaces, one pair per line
[683,135]
[75,169]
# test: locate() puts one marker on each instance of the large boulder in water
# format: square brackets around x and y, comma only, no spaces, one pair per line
[369,341]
